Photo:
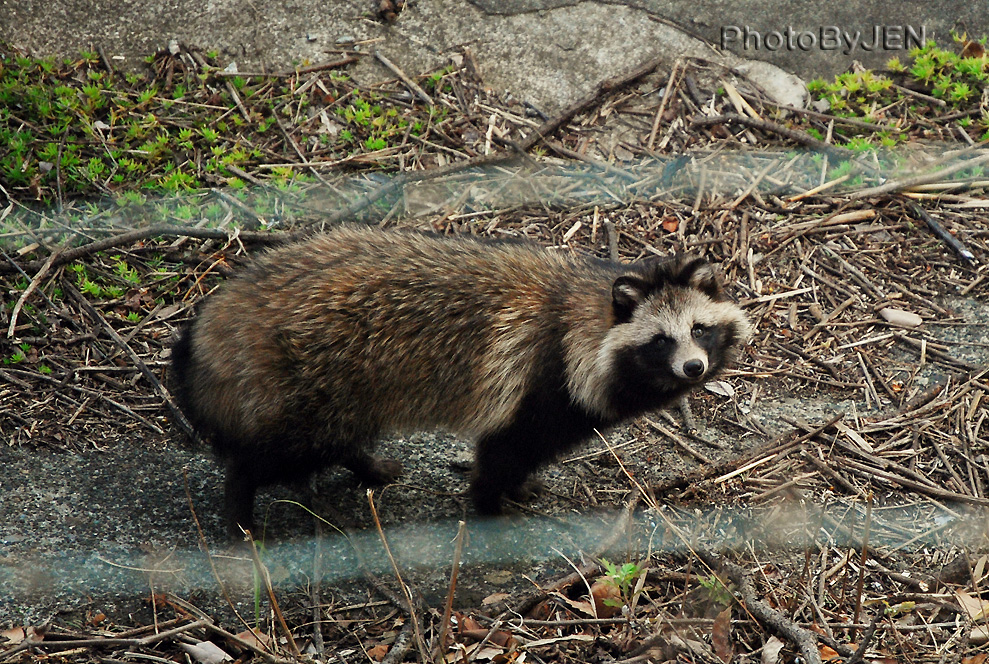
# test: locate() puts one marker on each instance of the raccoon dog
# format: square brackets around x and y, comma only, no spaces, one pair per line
[319,348]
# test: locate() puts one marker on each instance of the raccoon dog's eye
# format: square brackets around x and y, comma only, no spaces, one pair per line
[660,340]
[699,331]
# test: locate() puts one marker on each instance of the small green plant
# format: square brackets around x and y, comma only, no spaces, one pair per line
[718,591]
[375,143]
[90,287]
[859,144]
[93,287]
[18,355]
[960,92]
[176,181]
[126,272]
[95,168]
[622,578]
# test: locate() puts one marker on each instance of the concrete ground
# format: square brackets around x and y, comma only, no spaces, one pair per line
[545,52]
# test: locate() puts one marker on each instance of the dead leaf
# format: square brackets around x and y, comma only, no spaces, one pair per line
[771,651]
[580,606]
[469,623]
[18,634]
[975,659]
[977,609]
[494,598]
[487,653]
[474,634]
[972,49]
[980,568]
[607,598]
[138,298]
[542,611]
[205,652]
[501,638]
[378,652]
[721,388]
[458,653]
[670,224]
[721,636]
[253,638]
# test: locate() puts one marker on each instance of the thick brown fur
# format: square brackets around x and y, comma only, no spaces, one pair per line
[319,348]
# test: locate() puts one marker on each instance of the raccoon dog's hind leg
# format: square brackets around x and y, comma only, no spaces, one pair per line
[347,443]
[246,473]
[239,488]
[372,469]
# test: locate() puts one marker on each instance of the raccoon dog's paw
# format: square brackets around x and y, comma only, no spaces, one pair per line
[528,490]
[488,495]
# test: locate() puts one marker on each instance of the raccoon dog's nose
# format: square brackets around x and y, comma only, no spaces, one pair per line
[693,368]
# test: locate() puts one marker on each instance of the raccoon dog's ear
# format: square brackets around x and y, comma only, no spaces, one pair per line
[628,292]
[698,273]
[682,271]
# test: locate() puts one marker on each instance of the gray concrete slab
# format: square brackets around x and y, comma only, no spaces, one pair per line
[546,52]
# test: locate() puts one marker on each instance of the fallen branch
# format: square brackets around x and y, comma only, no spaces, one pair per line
[925,178]
[805,640]
[409,83]
[942,233]
[69,255]
[27,292]
[774,128]
[91,311]
[537,136]
[152,639]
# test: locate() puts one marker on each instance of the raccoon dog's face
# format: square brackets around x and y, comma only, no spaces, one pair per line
[674,327]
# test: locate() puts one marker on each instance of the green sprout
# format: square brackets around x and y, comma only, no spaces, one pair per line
[719,593]
[622,578]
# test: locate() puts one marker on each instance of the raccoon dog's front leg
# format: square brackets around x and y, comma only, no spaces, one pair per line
[501,467]
[686,415]
[504,461]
